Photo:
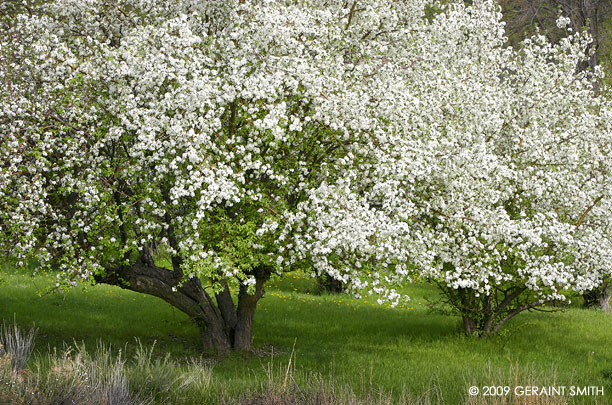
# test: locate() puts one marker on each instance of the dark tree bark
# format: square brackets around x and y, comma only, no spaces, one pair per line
[469,325]
[599,297]
[223,326]
[246,309]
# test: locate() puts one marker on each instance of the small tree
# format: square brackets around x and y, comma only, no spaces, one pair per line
[492,179]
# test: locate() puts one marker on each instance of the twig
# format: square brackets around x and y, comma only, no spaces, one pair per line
[585,213]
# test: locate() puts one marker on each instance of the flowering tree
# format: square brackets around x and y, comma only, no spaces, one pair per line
[492,178]
[529,15]
[191,125]
[247,137]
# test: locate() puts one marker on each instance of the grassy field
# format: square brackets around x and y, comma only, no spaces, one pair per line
[355,344]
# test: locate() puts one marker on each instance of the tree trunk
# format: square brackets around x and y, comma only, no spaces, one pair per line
[246,309]
[599,297]
[244,326]
[469,325]
[604,299]
[484,315]
[223,327]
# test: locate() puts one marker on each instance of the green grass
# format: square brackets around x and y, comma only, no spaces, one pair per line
[352,342]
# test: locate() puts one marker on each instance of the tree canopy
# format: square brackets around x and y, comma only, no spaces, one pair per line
[368,141]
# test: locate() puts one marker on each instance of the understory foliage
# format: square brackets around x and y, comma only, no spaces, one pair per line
[361,139]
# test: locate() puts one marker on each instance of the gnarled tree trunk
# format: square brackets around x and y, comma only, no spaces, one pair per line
[223,325]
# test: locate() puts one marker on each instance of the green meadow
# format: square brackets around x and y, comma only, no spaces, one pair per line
[305,338]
